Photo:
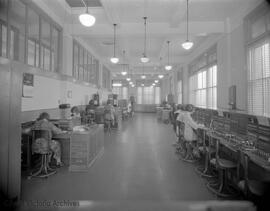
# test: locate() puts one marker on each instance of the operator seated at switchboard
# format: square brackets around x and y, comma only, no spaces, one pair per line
[75,113]
[43,123]
[90,107]
[190,127]
[109,112]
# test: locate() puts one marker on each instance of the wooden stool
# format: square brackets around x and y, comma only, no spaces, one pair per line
[41,146]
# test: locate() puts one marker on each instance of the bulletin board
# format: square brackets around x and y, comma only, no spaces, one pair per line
[28,85]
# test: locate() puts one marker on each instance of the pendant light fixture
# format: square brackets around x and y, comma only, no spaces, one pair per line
[144,58]
[143,76]
[86,19]
[114,59]
[124,71]
[160,76]
[128,78]
[168,66]
[188,44]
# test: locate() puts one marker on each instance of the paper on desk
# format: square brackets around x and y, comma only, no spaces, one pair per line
[263,120]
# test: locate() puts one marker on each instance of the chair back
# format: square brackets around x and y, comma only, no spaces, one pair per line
[107,116]
[41,140]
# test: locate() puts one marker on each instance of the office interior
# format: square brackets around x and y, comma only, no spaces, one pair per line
[159,104]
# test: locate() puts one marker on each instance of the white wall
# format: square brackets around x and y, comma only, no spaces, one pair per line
[231,62]
[46,94]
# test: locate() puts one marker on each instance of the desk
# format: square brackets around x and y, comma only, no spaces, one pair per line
[81,149]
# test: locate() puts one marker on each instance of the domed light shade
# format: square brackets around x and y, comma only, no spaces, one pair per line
[123,72]
[87,20]
[160,76]
[114,60]
[142,84]
[156,81]
[187,45]
[144,59]
[130,83]
[168,67]
[143,76]
[128,79]
[153,84]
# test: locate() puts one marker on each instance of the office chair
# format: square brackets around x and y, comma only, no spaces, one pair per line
[41,146]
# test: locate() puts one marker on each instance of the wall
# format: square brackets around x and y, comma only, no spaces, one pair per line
[52,90]
[231,64]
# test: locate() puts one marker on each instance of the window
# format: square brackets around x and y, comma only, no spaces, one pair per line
[106,78]
[3,27]
[17,30]
[55,49]
[3,40]
[122,92]
[148,95]
[259,79]
[157,95]
[257,42]
[192,89]
[203,80]
[37,44]
[212,87]
[33,38]
[179,92]
[203,88]
[85,66]
[139,95]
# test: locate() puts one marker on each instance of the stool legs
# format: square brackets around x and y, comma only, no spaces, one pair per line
[222,188]
[44,171]
[189,153]
[206,170]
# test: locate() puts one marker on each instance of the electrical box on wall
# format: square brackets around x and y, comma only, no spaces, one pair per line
[232,97]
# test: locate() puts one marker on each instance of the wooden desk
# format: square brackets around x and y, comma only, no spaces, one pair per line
[81,149]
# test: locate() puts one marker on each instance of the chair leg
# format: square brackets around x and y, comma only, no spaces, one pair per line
[206,170]
[222,188]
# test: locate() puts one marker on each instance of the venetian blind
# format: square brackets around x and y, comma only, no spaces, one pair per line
[257,38]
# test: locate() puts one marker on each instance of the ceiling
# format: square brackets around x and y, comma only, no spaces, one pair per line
[166,21]
[80,3]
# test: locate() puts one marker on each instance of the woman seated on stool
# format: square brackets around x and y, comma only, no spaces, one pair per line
[75,113]
[109,110]
[189,133]
[43,123]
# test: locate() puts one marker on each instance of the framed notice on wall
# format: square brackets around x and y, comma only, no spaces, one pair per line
[28,85]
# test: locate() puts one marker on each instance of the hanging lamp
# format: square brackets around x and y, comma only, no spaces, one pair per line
[144,58]
[86,19]
[187,44]
[143,75]
[124,72]
[114,59]
[168,66]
